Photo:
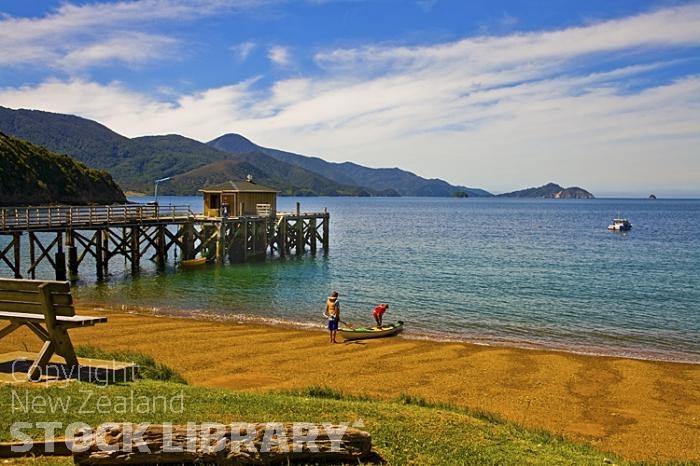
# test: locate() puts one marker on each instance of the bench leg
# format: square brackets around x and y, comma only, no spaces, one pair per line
[38,331]
[64,347]
[60,344]
[44,356]
[9,329]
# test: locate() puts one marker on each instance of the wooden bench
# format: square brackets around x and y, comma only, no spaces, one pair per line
[46,308]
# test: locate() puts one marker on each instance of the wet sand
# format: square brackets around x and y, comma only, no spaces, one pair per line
[641,410]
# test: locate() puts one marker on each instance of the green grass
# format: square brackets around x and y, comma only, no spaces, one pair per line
[404,431]
[148,367]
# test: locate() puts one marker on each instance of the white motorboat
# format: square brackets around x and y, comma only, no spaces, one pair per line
[620,224]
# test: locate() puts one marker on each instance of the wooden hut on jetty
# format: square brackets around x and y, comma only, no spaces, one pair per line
[239,198]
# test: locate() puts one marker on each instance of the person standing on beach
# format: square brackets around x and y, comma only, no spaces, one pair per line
[378,313]
[332,313]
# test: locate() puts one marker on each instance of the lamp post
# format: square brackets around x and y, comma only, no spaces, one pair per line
[156,189]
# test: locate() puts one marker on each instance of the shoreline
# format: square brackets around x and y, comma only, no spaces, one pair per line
[409,334]
[640,410]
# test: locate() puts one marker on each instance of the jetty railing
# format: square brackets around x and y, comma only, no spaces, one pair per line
[40,218]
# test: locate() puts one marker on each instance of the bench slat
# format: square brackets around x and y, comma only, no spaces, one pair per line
[79,320]
[33,308]
[33,297]
[18,284]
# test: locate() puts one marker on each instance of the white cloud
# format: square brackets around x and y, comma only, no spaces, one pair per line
[243,50]
[496,112]
[129,48]
[665,28]
[76,32]
[280,56]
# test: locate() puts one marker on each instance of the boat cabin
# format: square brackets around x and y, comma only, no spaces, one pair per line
[239,198]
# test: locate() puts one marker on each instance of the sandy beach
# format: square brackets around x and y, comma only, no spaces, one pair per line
[641,410]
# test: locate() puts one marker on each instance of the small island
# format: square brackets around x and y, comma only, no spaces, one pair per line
[551,191]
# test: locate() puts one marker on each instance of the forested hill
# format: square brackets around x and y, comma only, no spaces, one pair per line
[136,162]
[31,175]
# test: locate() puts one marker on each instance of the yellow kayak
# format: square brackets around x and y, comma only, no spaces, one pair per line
[190,263]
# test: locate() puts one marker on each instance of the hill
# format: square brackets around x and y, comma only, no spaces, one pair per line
[289,180]
[396,181]
[551,191]
[32,175]
[136,163]
[85,140]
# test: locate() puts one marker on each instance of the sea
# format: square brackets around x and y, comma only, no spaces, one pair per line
[530,273]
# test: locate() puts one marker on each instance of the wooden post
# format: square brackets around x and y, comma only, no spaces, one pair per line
[300,234]
[220,242]
[187,241]
[282,236]
[135,251]
[32,256]
[100,266]
[272,241]
[72,255]
[254,237]
[105,251]
[231,244]
[60,258]
[326,229]
[244,238]
[16,237]
[161,253]
[312,235]
[261,241]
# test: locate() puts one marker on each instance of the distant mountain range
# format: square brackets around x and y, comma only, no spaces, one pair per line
[551,191]
[136,162]
[397,182]
[32,175]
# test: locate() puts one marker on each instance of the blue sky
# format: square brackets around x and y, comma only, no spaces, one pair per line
[497,94]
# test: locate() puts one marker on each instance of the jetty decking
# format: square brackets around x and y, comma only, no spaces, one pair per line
[64,236]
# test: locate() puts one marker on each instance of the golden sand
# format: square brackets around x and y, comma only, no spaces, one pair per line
[641,410]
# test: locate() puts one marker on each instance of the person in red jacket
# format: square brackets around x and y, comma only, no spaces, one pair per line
[379,313]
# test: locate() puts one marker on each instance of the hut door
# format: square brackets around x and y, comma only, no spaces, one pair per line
[214,204]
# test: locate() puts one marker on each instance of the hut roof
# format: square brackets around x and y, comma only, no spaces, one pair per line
[238,187]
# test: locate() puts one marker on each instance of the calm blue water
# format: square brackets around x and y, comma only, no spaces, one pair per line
[519,272]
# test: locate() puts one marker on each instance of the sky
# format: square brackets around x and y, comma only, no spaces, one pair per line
[499,95]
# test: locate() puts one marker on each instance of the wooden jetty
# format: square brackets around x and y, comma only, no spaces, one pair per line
[63,236]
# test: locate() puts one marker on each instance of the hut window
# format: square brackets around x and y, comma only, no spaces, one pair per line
[215,201]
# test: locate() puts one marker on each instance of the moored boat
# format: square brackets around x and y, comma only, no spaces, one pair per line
[620,224]
[363,333]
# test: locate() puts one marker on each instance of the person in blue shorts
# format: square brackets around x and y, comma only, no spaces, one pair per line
[332,313]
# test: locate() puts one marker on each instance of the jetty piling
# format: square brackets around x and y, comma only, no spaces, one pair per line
[61,238]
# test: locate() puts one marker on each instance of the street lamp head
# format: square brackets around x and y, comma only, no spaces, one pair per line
[155,191]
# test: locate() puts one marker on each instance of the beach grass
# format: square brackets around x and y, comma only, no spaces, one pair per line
[404,431]
[148,367]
